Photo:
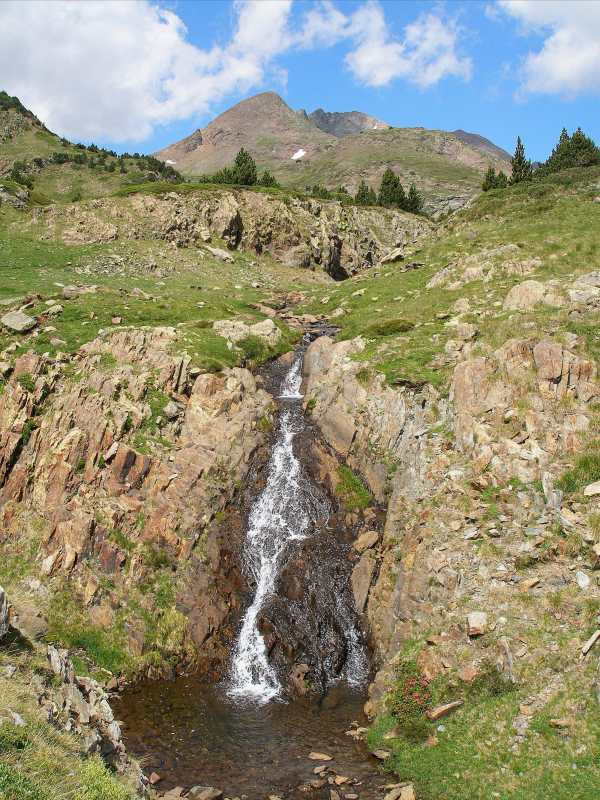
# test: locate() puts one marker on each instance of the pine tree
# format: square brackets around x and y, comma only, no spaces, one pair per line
[501,180]
[266,179]
[391,192]
[577,150]
[244,169]
[521,166]
[414,201]
[489,179]
[365,196]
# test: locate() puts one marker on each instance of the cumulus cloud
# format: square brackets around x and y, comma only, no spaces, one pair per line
[116,70]
[568,62]
[426,53]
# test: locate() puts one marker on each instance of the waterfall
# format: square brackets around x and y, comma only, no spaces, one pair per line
[284,512]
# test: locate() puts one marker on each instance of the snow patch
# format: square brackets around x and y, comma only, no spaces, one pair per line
[168,161]
[298,154]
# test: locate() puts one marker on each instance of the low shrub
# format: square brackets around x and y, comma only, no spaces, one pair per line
[388,327]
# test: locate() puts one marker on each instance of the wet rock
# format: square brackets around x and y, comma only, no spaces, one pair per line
[315,756]
[18,322]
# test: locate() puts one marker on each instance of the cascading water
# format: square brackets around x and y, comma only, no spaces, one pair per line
[286,511]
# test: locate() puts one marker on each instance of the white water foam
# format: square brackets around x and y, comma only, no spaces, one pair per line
[284,512]
[290,387]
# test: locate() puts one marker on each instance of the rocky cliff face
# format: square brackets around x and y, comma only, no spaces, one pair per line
[475,529]
[341,240]
[113,468]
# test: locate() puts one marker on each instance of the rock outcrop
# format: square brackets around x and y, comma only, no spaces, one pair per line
[512,416]
[122,459]
[342,240]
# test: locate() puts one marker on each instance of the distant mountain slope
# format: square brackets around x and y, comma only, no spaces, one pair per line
[481,143]
[339,148]
[263,124]
[345,123]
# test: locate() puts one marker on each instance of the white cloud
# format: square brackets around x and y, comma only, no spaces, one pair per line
[568,62]
[426,54]
[115,70]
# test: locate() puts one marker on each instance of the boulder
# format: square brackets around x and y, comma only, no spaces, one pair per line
[397,254]
[365,541]
[477,623]
[222,255]
[235,330]
[204,793]
[524,296]
[18,322]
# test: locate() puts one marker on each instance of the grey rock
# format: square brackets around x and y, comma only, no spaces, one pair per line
[18,322]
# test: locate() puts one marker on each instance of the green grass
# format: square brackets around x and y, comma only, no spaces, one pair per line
[554,220]
[351,490]
[473,748]
[585,470]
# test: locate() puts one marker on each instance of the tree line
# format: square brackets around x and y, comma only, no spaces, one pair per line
[243,172]
[577,150]
[391,194]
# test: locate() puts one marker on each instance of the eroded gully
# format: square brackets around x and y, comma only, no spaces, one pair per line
[299,665]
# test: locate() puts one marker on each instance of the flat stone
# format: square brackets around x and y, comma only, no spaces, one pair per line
[592,489]
[320,757]
[381,754]
[442,711]
[221,254]
[18,322]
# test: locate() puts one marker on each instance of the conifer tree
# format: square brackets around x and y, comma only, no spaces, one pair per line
[521,166]
[267,179]
[414,201]
[489,179]
[391,192]
[244,169]
[365,196]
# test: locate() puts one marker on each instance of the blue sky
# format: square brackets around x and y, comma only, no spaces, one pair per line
[137,75]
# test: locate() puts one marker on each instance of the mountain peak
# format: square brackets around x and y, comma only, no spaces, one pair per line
[345,123]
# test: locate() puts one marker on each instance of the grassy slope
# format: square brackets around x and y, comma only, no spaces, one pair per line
[60,182]
[558,221]
[37,761]
[413,153]
[555,220]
